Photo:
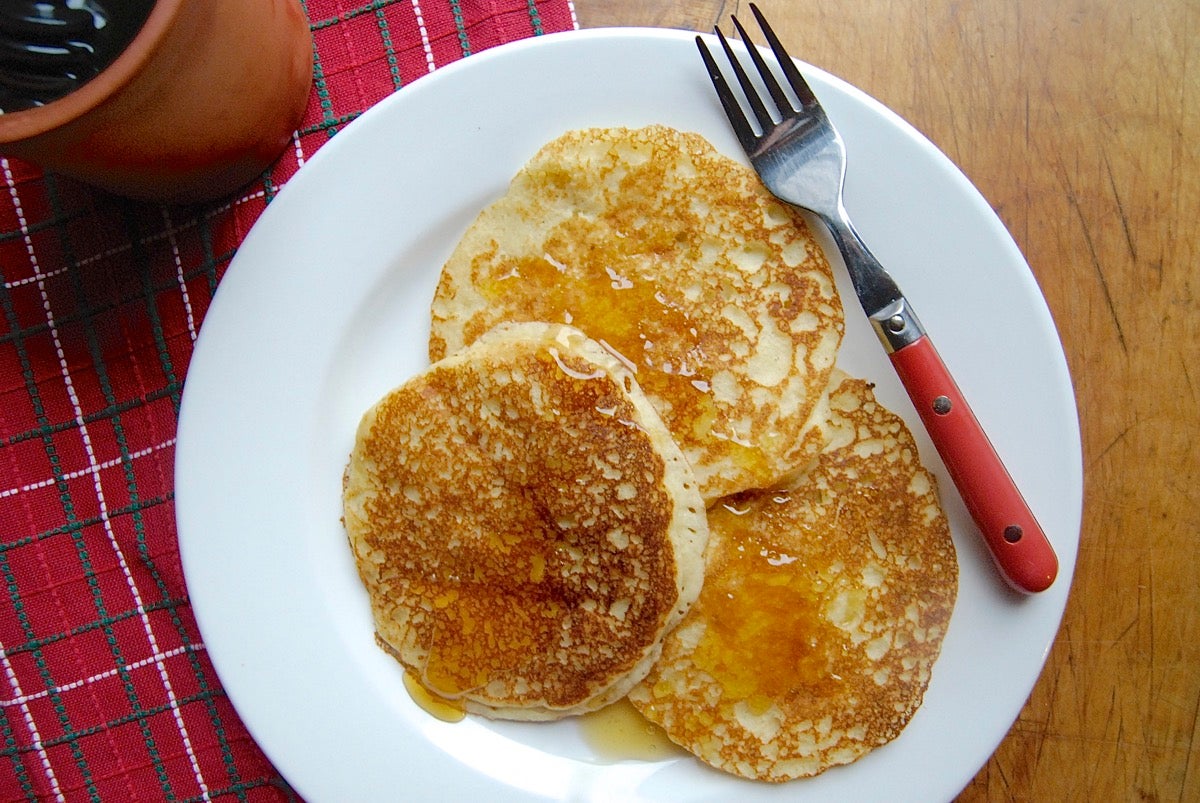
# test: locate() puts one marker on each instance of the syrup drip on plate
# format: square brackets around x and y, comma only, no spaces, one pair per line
[434,705]
[618,732]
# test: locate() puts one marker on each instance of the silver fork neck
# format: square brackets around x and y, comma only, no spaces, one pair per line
[893,319]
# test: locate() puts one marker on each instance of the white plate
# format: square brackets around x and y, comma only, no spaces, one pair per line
[325,308]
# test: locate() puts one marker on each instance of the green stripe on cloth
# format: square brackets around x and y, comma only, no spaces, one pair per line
[535,19]
[461,27]
[140,264]
[320,87]
[36,644]
[385,35]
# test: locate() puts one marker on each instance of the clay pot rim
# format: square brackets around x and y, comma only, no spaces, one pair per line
[27,123]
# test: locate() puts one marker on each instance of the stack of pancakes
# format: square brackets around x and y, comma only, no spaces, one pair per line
[632,395]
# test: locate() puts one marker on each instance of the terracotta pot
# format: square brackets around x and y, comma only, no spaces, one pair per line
[205,97]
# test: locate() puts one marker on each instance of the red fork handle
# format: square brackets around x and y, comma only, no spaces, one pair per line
[1019,548]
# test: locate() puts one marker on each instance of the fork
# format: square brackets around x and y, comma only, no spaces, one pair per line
[801,159]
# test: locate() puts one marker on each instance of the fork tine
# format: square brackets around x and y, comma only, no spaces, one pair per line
[733,110]
[782,102]
[799,85]
[756,105]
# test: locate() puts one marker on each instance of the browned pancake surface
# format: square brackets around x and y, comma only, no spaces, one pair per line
[676,258]
[822,612]
[524,525]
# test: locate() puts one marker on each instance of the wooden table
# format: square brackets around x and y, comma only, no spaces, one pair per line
[1080,122]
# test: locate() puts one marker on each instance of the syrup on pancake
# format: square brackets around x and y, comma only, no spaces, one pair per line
[524,525]
[822,612]
[677,259]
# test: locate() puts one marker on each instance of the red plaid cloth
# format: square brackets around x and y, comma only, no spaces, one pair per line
[106,692]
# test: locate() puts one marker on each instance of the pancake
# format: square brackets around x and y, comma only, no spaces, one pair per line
[524,525]
[678,259]
[823,609]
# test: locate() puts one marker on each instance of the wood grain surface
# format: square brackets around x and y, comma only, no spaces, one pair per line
[1079,120]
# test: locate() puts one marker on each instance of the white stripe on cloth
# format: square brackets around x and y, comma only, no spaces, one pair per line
[429,63]
[179,277]
[22,699]
[71,475]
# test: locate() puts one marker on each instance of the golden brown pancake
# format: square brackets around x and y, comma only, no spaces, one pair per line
[822,612]
[524,525]
[677,259]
